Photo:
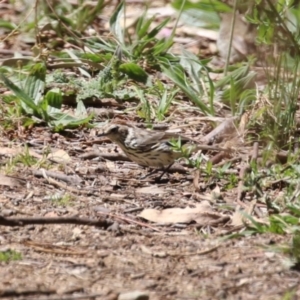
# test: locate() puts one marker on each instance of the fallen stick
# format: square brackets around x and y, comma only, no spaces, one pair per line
[43,221]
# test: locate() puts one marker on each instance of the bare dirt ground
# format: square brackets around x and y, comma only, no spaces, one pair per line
[124,252]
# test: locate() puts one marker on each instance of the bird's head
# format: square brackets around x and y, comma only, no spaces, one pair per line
[115,132]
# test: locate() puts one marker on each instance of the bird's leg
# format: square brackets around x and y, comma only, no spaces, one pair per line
[149,174]
[164,171]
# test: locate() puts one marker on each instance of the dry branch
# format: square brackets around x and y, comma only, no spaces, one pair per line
[57,175]
[44,221]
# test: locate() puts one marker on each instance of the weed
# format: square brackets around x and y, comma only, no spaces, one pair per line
[62,200]
[10,255]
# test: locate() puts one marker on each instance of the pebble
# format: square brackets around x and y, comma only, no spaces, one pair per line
[134,295]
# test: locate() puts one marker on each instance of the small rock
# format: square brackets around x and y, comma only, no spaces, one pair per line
[115,227]
[102,209]
[7,212]
[76,234]
[134,295]
[51,214]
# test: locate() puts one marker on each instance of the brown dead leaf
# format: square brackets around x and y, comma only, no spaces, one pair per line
[153,190]
[59,156]
[6,151]
[202,214]
[51,214]
[9,181]
[110,165]
[240,216]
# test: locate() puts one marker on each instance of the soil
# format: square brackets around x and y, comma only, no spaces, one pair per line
[207,258]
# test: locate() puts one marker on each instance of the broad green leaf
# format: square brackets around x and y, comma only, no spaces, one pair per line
[236,86]
[7,25]
[67,21]
[156,30]
[200,18]
[142,27]
[197,71]
[237,74]
[134,72]
[177,75]
[97,58]
[64,120]
[145,109]
[190,62]
[115,23]
[140,46]
[206,5]
[34,84]
[44,110]
[100,44]
[165,102]
[54,98]
[162,46]
[28,122]
[27,103]
[80,110]
[78,60]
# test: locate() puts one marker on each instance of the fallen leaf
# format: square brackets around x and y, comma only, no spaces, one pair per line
[153,190]
[59,156]
[202,214]
[240,216]
[9,181]
[15,151]
[110,165]
[51,214]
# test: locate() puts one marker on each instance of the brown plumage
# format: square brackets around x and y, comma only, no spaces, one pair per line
[145,147]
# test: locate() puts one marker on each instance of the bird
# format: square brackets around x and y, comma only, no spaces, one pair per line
[148,148]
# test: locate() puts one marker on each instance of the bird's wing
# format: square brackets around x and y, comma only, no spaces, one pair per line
[150,139]
[153,137]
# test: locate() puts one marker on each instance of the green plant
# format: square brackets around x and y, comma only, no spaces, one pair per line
[275,111]
[146,46]
[45,108]
[193,85]
[164,104]
[237,89]
[62,200]
[10,255]
[177,146]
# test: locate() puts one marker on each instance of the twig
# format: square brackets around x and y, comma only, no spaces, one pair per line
[110,156]
[231,161]
[218,157]
[43,221]
[83,297]
[195,253]
[128,220]
[57,175]
[68,188]
[54,249]
[14,293]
